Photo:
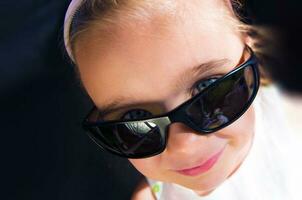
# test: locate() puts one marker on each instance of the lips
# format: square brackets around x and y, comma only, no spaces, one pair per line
[203,167]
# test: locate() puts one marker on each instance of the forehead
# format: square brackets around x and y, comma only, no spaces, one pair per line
[142,59]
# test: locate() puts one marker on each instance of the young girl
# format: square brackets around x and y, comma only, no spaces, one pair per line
[174,85]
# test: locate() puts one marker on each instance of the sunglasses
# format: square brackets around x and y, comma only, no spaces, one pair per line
[215,107]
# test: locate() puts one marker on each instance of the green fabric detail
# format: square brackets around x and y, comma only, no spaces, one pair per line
[156,188]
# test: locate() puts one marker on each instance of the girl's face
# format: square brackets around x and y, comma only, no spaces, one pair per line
[148,65]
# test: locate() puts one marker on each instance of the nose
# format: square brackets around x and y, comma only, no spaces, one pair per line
[184,141]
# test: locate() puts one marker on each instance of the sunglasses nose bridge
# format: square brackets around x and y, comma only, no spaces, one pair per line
[180,116]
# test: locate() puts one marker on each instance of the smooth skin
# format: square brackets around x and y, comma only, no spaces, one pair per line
[146,64]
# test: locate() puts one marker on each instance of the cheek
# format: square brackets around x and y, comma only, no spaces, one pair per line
[241,131]
[147,166]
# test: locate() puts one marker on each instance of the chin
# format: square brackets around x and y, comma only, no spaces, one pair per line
[203,190]
[202,185]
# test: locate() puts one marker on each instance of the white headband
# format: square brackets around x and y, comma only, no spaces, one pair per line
[73,7]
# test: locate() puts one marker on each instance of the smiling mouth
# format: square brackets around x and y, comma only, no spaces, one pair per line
[202,168]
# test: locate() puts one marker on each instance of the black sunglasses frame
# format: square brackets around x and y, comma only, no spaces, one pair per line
[178,114]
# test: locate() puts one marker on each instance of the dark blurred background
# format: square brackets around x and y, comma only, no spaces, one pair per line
[285,17]
[46,155]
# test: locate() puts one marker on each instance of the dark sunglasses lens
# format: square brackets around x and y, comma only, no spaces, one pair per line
[226,100]
[130,139]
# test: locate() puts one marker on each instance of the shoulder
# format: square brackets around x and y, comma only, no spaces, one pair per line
[143,191]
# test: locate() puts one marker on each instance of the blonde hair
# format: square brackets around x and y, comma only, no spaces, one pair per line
[102,14]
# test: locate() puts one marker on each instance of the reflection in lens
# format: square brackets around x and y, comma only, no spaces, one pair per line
[140,128]
[224,101]
[131,138]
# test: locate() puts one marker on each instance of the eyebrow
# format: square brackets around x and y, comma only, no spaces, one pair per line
[189,74]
